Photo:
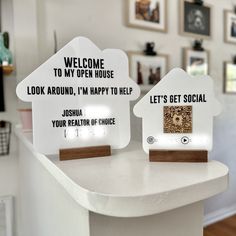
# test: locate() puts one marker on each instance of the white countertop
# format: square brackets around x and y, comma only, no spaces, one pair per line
[126,184]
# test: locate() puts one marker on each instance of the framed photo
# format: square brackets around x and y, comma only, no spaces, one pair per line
[230,26]
[148,14]
[229,77]
[195,20]
[147,70]
[196,63]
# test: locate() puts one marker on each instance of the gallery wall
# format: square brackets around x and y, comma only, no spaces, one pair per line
[104,22]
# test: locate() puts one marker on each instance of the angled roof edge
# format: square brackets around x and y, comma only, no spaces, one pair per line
[178,73]
[90,51]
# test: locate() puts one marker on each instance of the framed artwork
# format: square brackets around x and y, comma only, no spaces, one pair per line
[196,63]
[229,27]
[229,77]
[148,14]
[195,20]
[147,70]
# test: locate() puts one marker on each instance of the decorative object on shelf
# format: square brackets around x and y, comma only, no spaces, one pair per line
[230,26]
[5,136]
[149,51]
[26,119]
[196,60]
[195,19]
[5,54]
[177,116]
[147,69]
[148,14]
[230,77]
[93,89]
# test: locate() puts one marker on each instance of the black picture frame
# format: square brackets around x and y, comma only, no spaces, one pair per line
[195,19]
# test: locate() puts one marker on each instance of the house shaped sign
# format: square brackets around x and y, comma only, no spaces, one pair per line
[177,114]
[80,97]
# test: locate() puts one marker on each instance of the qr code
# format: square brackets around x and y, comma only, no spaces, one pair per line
[177,119]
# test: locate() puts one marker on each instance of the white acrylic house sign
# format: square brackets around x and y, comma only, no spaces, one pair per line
[177,114]
[80,97]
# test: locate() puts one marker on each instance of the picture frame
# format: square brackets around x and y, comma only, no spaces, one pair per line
[196,63]
[229,85]
[146,70]
[148,14]
[195,20]
[229,26]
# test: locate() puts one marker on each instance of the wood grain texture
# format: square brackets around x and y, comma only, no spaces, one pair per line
[85,152]
[225,227]
[178,156]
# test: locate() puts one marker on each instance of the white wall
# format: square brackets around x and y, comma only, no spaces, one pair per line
[9,164]
[25,36]
[104,22]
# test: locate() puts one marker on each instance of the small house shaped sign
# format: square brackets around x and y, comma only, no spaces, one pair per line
[80,97]
[178,113]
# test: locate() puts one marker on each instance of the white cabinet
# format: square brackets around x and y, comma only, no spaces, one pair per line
[123,194]
[6,216]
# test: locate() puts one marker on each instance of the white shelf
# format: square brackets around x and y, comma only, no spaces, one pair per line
[126,184]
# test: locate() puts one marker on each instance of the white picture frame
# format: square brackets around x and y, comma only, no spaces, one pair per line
[229,26]
[152,69]
[148,14]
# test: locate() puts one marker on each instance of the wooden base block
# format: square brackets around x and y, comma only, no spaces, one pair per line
[85,152]
[178,156]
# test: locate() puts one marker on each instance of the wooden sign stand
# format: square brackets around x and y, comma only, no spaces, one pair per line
[178,155]
[84,152]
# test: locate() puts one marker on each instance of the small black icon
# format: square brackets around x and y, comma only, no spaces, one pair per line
[149,51]
[185,140]
[197,45]
[151,140]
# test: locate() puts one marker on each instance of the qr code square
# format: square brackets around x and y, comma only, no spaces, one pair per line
[177,119]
